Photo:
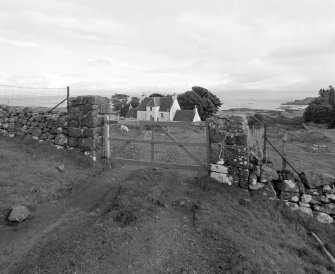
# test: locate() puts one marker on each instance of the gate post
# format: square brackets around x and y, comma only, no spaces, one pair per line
[106,138]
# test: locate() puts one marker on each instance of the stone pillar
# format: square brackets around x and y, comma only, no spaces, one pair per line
[229,146]
[85,123]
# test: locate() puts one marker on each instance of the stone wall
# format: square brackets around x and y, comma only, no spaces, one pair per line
[237,161]
[29,124]
[230,152]
[85,123]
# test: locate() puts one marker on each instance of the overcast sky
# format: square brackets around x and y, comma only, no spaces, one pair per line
[168,44]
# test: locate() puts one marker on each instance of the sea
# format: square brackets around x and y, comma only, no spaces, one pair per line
[260,99]
[251,99]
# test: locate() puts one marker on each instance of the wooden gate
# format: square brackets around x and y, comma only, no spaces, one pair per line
[174,142]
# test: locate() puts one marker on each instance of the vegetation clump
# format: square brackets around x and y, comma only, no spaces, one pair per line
[322,109]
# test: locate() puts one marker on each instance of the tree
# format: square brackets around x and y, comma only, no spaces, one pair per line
[322,109]
[134,102]
[156,95]
[120,103]
[206,102]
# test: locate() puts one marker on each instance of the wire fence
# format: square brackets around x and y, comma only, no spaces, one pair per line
[34,97]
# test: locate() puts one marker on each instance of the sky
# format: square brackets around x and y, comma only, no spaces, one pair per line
[168,45]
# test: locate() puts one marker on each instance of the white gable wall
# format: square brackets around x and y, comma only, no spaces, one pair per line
[175,106]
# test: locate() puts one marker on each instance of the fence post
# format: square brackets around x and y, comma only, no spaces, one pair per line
[67,98]
[208,141]
[265,139]
[153,144]
[106,138]
[284,147]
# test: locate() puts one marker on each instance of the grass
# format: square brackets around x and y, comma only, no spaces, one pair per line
[79,229]
[264,236]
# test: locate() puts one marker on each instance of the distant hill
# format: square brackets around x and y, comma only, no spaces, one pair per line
[305,101]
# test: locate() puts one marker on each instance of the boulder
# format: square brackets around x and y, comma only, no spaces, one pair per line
[288,186]
[268,174]
[252,179]
[329,209]
[305,198]
[18,214]
[331,197]
[323,218]
[290,196]
[306,210]
[328,189]
[293,206]
[313,191]
[317,178]
[222,178]
[304,204]
[219,168]
[61,140]
[61,167]
[256,186]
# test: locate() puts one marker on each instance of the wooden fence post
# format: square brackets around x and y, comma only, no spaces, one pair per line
[106,138]
[208,141]
[284,147]
[265,140]
[153,144]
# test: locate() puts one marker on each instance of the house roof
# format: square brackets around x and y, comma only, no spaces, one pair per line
[132,113]
[164,103]
[184,115]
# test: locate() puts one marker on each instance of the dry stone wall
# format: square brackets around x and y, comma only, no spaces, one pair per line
[234,161]
[81,128]
[230,152]
[29,124]
[85,123]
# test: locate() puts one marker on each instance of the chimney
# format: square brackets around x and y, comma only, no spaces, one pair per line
[174,96]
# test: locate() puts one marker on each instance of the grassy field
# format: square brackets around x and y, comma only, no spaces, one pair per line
[128,219]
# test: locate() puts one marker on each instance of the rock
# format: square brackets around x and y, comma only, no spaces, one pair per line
[331,197]
[306,210]
[61,167]
[305,198]
[323,218]
[304,204]
[293,206]
[290,196]
[268,190]
[252,179]
[18,214]
[317,178]
[328,190]
[288,186]
[219,168]
[329,209]
[319,208]
[222,178]
[245,201]
[315,202]
[268,174]
[61,140]
[324,200]
[256,186]
[313,191]
[220,162]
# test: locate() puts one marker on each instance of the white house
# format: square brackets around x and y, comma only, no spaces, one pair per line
[162,109]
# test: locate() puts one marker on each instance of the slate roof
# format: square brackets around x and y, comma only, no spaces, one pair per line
[184,115]
[164,103]
[132,113]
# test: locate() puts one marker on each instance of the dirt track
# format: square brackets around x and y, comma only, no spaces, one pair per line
[124,222]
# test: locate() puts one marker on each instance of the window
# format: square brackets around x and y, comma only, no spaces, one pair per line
[161,115]
[150,108]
